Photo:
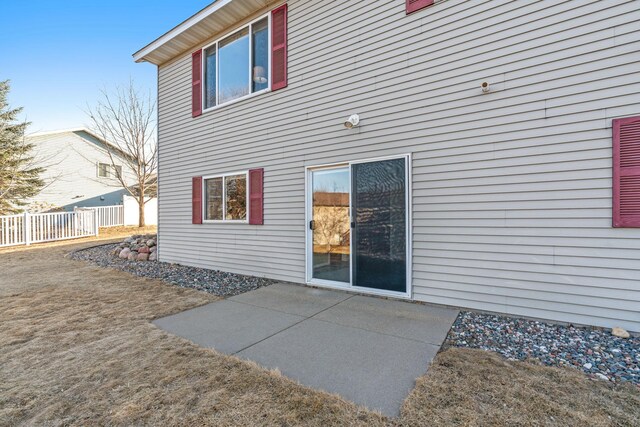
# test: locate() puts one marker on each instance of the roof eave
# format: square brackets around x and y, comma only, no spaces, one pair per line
[140,56]
[75,131]
[195,30]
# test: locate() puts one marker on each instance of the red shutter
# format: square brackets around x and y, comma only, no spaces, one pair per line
[256,198]
[415,5]
[196,200]
[626,172]
[279,48]
[196,83]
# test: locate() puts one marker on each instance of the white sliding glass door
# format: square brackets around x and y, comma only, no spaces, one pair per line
[358,226]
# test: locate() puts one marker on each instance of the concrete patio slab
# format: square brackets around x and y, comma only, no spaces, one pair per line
[292,299]
[369,350]
[374,370]
[227,326]
[426,323]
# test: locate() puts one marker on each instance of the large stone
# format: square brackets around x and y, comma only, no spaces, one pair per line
[143,257]
[153,256]
[619,332]
[143,250]
[124,254]
[133,256]
[152,249]
[151,242]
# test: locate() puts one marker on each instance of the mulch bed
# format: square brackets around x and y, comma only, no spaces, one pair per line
[592,350]
[216,282]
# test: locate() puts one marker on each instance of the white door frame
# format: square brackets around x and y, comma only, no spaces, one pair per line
[309,235]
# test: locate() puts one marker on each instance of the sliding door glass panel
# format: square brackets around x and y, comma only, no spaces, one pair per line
[331,225]
[233,66]
[380,233]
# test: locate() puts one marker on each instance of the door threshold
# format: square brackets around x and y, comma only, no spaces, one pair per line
[358,290]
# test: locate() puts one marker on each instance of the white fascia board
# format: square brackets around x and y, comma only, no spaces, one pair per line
[54,132]
[74,130]
[204,13]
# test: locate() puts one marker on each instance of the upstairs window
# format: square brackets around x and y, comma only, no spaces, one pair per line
[237,65]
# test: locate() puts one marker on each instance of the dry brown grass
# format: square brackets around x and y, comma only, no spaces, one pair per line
[125,231]
[77,348]
[468,387]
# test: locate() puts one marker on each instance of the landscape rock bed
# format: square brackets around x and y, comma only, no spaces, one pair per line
[141,247]
[595,351]
[215,282]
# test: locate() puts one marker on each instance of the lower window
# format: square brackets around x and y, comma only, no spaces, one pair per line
[225,197]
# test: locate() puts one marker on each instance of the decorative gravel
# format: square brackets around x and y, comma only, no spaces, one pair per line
[594,351]
[213,281]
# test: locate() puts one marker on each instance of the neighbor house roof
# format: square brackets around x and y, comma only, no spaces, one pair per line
[211,20]
[324,198]
[75,131]
[71,130]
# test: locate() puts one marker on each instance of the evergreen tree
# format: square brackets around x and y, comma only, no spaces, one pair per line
[19,177]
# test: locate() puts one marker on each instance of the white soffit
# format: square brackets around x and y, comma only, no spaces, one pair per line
[200,27]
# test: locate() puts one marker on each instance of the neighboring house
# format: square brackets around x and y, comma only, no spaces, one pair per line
[78,172]
[494,165]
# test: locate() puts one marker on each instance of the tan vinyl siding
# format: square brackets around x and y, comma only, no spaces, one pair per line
[511,189]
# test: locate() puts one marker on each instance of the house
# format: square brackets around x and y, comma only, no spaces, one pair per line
[489,149]
[79,171]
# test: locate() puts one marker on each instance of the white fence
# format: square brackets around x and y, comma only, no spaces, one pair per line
[27,228]
[108,216]
[125,214]
[12,230]
[24,229]
[131,211]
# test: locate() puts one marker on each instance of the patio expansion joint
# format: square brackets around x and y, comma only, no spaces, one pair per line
[286,312]
[288,327]
[373,331]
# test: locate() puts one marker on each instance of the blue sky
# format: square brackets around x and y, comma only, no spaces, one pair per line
[331,180]
[59,54]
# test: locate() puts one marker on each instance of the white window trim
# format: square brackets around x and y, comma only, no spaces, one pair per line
[111,170]
[409,224]
[98,170]
[204,60]
[224,199]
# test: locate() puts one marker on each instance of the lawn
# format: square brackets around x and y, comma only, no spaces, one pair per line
[77,348]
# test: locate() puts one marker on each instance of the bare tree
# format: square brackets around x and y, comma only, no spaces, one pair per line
[331,219]
[126,120]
